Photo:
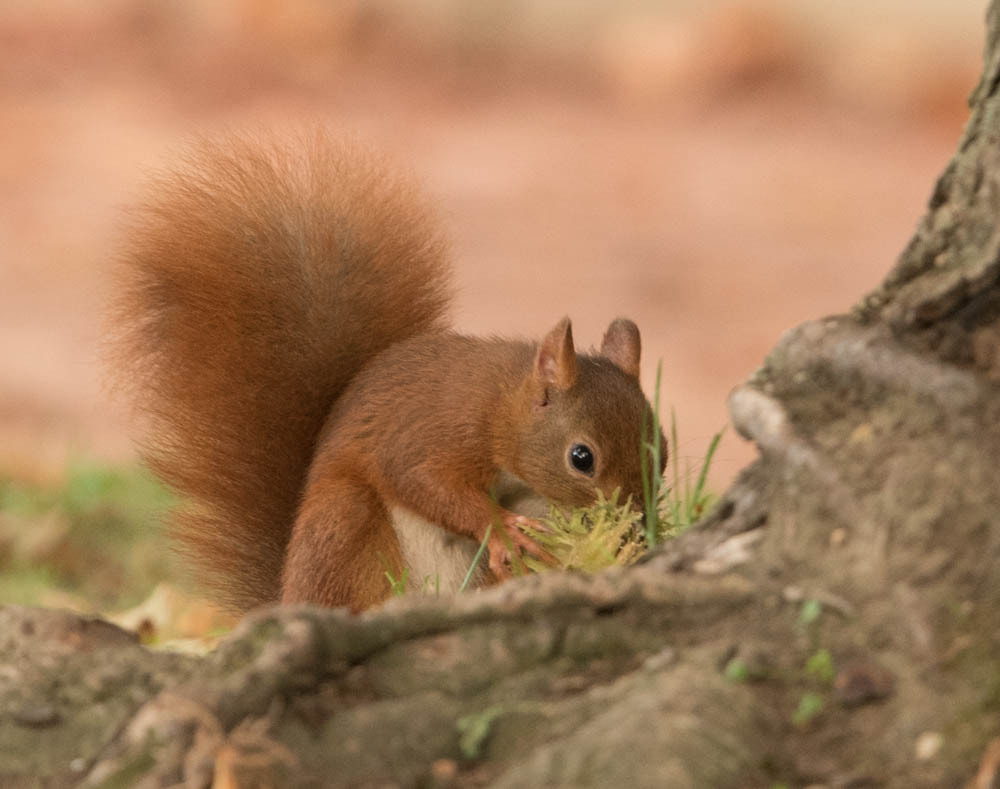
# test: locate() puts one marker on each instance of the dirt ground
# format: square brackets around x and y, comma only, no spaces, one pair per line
[716,210]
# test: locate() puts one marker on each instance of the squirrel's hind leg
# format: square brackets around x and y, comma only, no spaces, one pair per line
[342,547]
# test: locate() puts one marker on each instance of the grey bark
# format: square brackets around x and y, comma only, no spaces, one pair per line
[833,622]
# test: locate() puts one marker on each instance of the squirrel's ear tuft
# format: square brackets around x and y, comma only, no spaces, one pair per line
[555,361]
[621,344]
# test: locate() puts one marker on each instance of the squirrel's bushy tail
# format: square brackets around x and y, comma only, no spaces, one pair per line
[258,277]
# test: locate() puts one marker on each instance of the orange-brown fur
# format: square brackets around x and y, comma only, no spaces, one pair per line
[282,308]
[258,278]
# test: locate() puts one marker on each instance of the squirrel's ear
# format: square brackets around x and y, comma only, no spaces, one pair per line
[621,344]
[555,361]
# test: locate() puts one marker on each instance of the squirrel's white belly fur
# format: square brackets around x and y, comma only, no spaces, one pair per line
[437,560]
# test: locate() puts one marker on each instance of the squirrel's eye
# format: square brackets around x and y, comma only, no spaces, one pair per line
[582,458]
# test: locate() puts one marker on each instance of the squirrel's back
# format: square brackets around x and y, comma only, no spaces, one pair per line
[259,276]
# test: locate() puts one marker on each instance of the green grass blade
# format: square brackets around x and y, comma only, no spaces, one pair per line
[676,449]
[688,501]
[649,504]
[476,558]
[699,488]
[652,471]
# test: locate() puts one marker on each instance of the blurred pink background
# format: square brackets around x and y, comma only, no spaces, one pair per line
[718,172]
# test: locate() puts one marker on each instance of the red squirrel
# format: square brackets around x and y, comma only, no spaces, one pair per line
[281,325]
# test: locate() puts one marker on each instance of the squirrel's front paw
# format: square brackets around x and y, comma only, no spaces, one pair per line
[508,537]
